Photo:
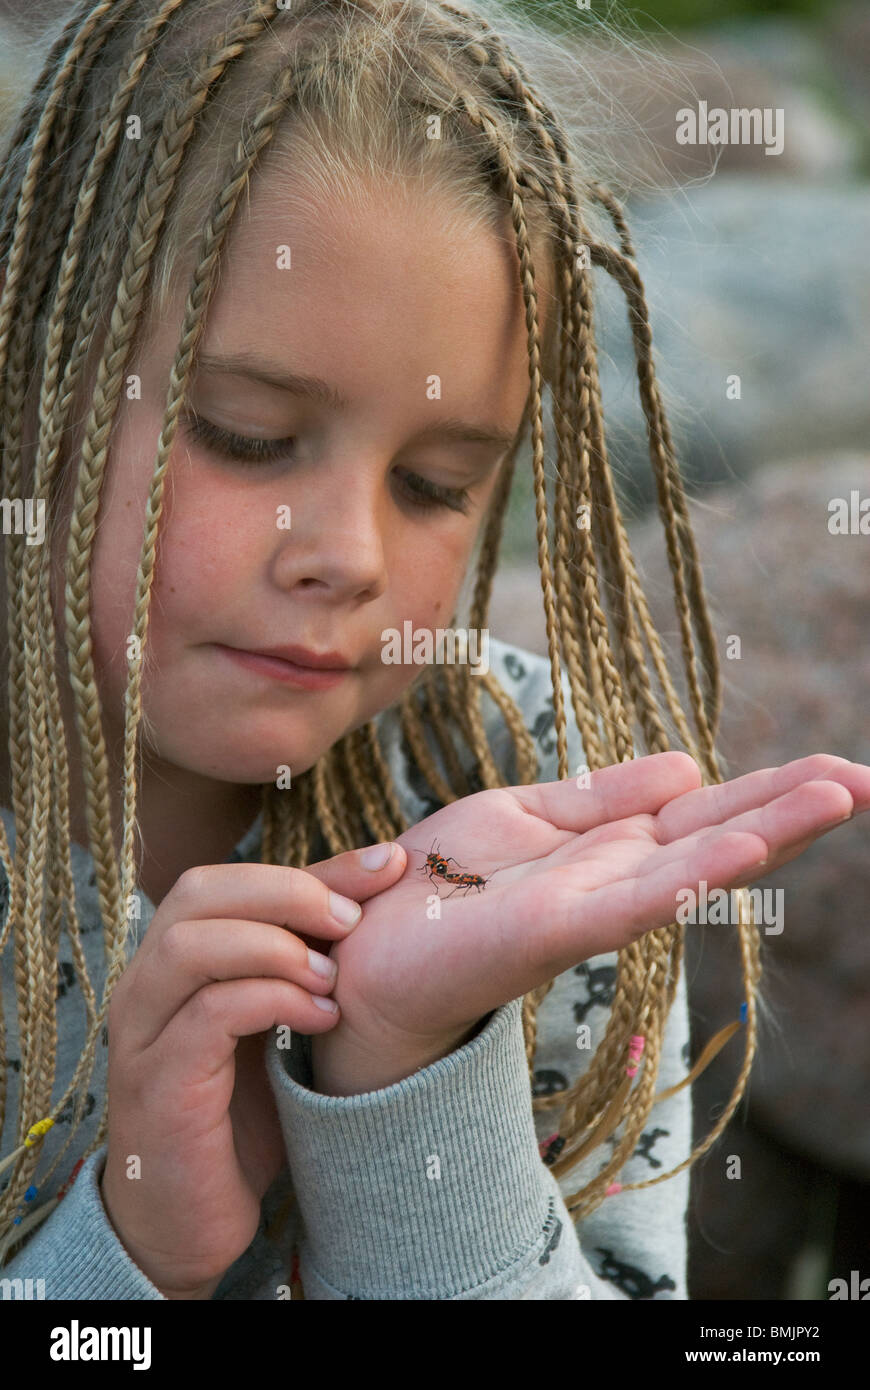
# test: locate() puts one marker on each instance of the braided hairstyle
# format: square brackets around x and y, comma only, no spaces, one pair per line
[96,228]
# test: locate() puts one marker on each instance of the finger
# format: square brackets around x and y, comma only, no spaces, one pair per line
[612,917]
[789,824]
[348,873]
[801,814]
[718,803]
[192,954]
[205,1032]
[639,786]
[285,896]
[792,851]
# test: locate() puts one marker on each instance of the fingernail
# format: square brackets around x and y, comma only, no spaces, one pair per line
[346,912]
[377,856]
[322,965]
[324,1002]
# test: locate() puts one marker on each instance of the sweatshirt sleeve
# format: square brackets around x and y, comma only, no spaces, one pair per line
[433,1187]
[75,1250]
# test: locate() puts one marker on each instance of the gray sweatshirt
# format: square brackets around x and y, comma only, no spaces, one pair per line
[374,1216]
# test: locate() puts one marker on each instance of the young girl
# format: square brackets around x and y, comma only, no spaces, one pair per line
[282,290]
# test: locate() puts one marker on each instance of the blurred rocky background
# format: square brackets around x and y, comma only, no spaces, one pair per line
[756,267]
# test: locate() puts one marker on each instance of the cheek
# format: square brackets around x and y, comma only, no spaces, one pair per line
[426,588]
[201,566]
[428,584]
[200,541]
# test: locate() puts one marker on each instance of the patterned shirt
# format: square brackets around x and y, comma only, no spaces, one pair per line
[369,1215]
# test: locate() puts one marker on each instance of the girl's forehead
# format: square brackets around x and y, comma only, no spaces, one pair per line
[298,259]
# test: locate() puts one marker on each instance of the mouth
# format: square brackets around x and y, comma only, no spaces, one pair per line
[291,672]
[301,656]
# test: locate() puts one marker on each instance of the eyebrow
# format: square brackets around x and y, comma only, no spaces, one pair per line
[314,388]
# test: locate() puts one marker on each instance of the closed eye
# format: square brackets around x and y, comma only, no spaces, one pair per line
[236,446]
[419,491]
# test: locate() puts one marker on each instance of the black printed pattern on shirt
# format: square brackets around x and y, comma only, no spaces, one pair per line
[600,981]
[553,1231]
[599,985]
[629,1278]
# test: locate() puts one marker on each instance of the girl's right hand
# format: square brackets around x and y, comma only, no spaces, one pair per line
[217,965]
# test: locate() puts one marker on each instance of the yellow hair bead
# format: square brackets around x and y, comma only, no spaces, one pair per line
[36,1132]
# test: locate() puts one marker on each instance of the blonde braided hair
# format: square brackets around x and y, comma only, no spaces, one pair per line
[71,182]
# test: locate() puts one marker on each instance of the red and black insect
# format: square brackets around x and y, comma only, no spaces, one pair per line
[437,866]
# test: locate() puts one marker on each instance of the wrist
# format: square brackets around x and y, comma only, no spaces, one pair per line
[346,1069]
[197,1292]
[203,1293]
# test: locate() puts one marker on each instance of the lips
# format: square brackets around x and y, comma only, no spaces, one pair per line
[287,672]
[300,656]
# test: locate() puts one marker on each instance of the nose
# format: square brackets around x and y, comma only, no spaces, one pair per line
[336,538]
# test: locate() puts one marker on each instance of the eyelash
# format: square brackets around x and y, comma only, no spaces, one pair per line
[425,494]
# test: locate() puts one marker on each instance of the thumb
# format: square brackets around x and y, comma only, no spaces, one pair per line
[361,873]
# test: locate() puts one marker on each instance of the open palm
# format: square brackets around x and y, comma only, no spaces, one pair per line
[571,873]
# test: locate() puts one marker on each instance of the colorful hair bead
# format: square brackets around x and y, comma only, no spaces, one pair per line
[635,1050]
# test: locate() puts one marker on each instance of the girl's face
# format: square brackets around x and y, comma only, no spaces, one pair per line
[414,326]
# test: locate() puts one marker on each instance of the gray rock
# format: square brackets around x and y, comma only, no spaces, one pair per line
[766,282]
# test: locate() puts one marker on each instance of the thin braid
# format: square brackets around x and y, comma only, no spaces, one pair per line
[32,810]
[359,772]
[575,611]
[397,819]
[491,130]
[526,758]
[493,530]
[376,822]
[440,693]
[415,731]
[62,892]
[580,615]
[35,588]
[177,130]
[456,678]
[540,121]
[469,689]
[489,49]
[330,810]
[620,544]
[627,274]
[708,644]
[35,105]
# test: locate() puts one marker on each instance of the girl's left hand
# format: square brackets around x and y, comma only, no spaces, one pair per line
[581,872]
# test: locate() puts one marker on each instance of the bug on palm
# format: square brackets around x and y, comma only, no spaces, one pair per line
[437,866]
